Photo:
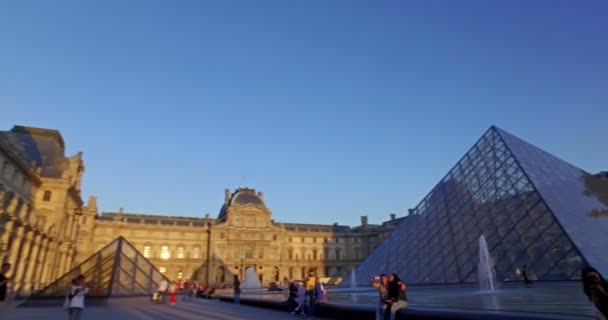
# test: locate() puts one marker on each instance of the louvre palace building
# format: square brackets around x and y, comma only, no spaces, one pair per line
[46,228]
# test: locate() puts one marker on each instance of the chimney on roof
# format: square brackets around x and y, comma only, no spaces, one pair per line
[410,211]
[335,224]
[261,195]
[393,216]
[363,220]
[226,195]
[121,211]
[206,216]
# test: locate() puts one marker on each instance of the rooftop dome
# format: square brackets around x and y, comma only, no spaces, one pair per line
[244,196]
[241,197]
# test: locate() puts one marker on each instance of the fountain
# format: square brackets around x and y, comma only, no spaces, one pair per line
[251,281]
[353,280]
[485,269]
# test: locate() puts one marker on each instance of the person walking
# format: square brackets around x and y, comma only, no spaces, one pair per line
[382,287]
[172,292]
[396,295]
[596,290]
[74,300]
[237,290]
[4,280]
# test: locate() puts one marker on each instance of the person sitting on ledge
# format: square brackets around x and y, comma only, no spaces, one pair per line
[382,287]
[293,293]
[596,289]
[396,295]
[300,300]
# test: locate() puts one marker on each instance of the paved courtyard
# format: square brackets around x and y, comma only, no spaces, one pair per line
[141,308]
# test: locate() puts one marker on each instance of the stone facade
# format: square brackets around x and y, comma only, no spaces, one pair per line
[46,228]
[41,208]
[242,236]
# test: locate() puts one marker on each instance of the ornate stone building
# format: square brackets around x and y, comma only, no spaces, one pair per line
[46,228]
[41,207]
[242,236]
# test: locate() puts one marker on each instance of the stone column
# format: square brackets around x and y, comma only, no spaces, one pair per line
[4,239]
[48,266]
[32,263]
[62,260]
[15,246]
[23,260]
[41,264]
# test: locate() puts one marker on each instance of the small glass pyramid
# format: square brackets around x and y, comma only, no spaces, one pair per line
[117,270]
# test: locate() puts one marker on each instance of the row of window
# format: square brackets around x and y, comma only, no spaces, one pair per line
[247,252]
[165,253]
[318,240]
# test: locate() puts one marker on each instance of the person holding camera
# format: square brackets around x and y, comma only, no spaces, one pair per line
[74,300]
[381,283]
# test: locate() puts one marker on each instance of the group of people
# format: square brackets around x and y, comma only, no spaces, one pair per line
[304,296]
[392,295]
[187,289]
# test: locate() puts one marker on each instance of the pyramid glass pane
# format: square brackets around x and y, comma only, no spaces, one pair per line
[497,190]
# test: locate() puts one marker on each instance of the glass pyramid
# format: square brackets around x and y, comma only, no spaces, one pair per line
[116,270]
[532,208]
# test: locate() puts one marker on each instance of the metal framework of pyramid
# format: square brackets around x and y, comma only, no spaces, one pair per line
[532,208]
[117,270]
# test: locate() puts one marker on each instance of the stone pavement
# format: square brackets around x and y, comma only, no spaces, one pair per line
[142,308]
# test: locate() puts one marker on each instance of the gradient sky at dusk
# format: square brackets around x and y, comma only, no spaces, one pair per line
[334,109]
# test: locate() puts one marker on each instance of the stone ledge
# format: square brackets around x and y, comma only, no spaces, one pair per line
[359,311]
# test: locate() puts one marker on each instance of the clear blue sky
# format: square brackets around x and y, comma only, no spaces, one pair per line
[333,108]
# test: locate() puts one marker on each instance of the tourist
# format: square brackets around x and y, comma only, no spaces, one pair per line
[292,294]
[163,286]
[172,292]
[4,280]
[382,287]
[396,295]
[319,296]
[320,292]
[74,300]
[524,274]
[300,300]
[237,290]
[596,289]
[195,287]
[311,281]
[186,291]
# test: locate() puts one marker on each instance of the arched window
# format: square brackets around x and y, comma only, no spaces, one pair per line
[275,273]
[337,254]
[315,254]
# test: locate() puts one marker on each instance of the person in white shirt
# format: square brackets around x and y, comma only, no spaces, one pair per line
[74,300]
[162,290]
